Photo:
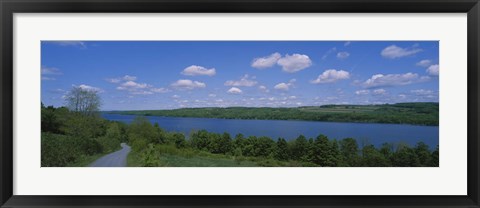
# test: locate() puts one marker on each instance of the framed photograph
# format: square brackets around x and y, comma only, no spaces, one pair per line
[239,104]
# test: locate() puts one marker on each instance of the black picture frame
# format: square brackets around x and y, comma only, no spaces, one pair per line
[10,7]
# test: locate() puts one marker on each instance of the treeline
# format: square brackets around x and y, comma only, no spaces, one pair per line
[148,141]
[69,137]
[400,113]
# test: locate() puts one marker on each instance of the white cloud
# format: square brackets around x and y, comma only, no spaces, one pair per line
[379,92]
[294,63]
[394,51]
[141,92]
[282,86]
[129,78]
[176,96]
[186,84]
[124,78]
[131,86]
[362,92]
[330,76]
[212,95]
[194,70]
[343,55]
[89,88]
[243,82]
[50,71]
[263,88]
[234,90]
[347,43]
[424,63]
[433,70]
[380,80]
[266,62]
[285,86]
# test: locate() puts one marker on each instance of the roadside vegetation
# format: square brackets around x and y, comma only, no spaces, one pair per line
[76,135]
[400,113]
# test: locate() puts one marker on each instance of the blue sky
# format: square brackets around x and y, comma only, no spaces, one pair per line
[135,75]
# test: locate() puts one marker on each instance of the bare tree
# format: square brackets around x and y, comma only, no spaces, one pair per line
[85,101]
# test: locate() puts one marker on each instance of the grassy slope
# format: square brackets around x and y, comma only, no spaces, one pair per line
[170,160]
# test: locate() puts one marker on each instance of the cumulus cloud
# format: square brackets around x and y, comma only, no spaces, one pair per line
[89,88]
[343,55]
[433,70]
[266,62]
[234,90]
[285,86]
[186,84]
[330,76]
[294,63]
[132,86]
[194,70]
[243,82]
[424,63]
[388,80]
[282,86]
[127,83]
[393,52]
[362,92]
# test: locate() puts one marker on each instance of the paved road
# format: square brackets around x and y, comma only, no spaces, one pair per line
[114,159]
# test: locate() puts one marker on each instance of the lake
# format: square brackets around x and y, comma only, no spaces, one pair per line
[373,133]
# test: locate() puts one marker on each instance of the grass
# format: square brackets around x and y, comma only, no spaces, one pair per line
[199,161]
[134,160]
[84,161]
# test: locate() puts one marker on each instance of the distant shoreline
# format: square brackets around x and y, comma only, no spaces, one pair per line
[425,114]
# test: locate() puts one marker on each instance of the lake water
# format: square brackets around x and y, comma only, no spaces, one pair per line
[374,133]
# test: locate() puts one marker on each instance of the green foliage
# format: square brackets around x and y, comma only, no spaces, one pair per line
[349,151]
[71,138]
[282,150]
[402,113]
[61,150]
[371,157]
[405,157]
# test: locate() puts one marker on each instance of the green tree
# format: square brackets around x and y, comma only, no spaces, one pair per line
[423,153]
[371,157]
[349,151]
[83,100]
[282,150]
[405,157]
[298,148]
